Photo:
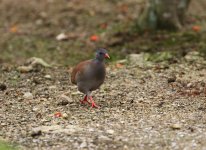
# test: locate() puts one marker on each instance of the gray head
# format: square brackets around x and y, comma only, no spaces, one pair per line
[101,54]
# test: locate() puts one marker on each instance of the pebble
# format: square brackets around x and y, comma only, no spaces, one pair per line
[61,37]
[138,59]
[36,132]
[2,87]
[189,85]
[64,100]
[28,95]
[25,69]
[52,87]
[103,138]
[35,108]
[171,79]
[66,116]
[110,131]
[83,145]
[34,61]
[76,93]
[47,76]
[176,126]
[3,124]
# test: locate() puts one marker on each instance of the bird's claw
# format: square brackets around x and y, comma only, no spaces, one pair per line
[85,100]
[94,105]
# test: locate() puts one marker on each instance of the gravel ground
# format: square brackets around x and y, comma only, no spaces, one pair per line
[154,106]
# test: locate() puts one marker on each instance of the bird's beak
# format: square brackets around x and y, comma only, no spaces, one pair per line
[106,56]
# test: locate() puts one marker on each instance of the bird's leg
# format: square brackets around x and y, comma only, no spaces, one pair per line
[85,100]
[93,104]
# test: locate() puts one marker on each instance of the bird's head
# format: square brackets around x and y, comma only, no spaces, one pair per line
[101,54]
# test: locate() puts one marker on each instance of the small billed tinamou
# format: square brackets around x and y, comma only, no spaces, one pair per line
[89,75]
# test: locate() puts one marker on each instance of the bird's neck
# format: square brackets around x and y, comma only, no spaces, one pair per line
[99,60]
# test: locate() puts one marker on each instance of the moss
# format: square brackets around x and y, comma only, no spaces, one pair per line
[160,56]
[6,146]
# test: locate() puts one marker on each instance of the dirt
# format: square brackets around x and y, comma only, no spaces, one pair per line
[140,108]
[152,100]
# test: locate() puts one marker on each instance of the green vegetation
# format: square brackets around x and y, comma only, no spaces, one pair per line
[6,146]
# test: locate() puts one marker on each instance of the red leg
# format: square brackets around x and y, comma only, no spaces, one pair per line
[84,100]
[93,104]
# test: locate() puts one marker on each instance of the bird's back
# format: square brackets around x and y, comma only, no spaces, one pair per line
[78,69]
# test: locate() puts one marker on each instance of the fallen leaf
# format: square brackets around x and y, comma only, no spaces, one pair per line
[103,25]
[58,114]
[33,61]
[196,28]
[25,69]
[118,65]
[123,8]
[94,38]
[13,29]
[70,36]
[62,37]
[92,12]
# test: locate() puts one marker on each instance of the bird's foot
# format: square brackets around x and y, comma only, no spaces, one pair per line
[93,103]
[85,100]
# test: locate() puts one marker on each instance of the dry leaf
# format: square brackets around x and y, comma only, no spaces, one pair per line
[13,29]
[94,38]
[61,37]
[58,114]
[118,65]
[196,28]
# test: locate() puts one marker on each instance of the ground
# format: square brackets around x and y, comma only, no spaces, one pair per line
[151,100]
[153,106]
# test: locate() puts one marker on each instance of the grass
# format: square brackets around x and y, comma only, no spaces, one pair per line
[6,146]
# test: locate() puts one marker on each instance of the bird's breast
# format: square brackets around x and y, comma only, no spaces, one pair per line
[99,73]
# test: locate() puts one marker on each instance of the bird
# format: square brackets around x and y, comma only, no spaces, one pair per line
[89,75]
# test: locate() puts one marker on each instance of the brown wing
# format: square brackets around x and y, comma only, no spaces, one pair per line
[78,69]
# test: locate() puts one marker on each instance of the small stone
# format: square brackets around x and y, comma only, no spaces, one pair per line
[76,93]
[83,145]
[65,116]
[39,22]
[25,69]
[36,132]
[176,126]
[36,81]
[42,99]
[47,76]
[103,138]
[35,108]
[189,85]
[138,60]
[34,61]
[64,100]
[28,95]
[52,87]
[123,61]
[110,131]
[3,124]
[61,37]
[171,79]
[2,87]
